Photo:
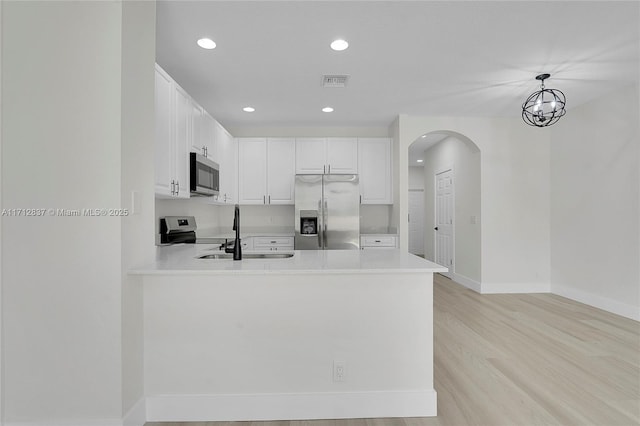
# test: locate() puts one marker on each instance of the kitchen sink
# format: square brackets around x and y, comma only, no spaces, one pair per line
[247,256]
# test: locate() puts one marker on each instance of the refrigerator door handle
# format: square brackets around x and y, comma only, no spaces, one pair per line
[325,209]
[320,226]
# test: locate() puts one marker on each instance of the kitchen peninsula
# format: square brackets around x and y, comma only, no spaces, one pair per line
[322,334]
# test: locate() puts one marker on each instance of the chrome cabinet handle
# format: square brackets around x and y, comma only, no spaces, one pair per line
[264,199]
[329,168]
[173,187]
[177,187]
[269,199]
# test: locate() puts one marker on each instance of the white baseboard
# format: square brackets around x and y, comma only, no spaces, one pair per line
[73,422]
[137,415]
[467,282]
[613,306]
[308,406]
[514,288]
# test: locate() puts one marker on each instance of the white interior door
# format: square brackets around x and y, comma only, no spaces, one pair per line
[416,222]
[444,227]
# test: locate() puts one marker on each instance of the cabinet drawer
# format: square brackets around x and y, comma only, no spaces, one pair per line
[379,241]
[270,243]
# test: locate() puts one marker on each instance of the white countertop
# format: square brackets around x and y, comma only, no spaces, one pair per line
[182,259]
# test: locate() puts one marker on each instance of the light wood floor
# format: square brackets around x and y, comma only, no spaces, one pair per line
[534,359]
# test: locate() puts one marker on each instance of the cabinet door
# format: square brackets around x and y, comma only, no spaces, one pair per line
[182,141]
[227,158]
[342,155]
[280,170]
[310,156]
[163,133]
[197,133]
[207,137]
[374,158]
[252,173]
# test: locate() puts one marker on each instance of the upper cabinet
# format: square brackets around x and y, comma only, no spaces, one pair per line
[266,170]
[326,155]
[280,170]
[183,126]
[172,131]
[203,133]
[226,154]
[374,163]
[256,170]
[342,155]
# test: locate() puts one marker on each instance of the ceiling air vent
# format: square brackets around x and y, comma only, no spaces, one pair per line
[335,80]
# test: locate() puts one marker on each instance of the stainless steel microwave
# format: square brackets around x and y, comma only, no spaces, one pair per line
[205,175]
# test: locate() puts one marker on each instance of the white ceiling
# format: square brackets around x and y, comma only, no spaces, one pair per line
[417,57]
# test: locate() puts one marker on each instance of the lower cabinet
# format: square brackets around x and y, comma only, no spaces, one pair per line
[378,241]
[272,243]
[246,243]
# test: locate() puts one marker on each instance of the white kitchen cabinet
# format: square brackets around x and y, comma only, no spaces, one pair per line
[163,134]
[272,243]
[246,243]
[374,158]
[266,169]
[202,132]
[197,124]
[252,170]
[326,155]
[182,140]
[226,157]
[207,134]
[172,121]
[342,155]
[280,170]
[311,156]
[378,241]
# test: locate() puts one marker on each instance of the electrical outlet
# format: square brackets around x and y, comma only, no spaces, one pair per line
[339,371]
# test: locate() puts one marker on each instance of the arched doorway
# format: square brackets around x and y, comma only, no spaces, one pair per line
[448,163]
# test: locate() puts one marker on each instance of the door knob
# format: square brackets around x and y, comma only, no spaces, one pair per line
[436,228]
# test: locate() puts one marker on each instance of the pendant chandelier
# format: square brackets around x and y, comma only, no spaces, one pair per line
[544,107]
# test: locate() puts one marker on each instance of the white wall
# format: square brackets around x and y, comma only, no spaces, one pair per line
[1,259]
[138,117]
[416,178]
[77,117]
[594,204]
[464,158]
[61,275]
[514,220]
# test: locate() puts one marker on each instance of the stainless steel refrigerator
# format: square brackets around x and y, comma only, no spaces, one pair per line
[327,212]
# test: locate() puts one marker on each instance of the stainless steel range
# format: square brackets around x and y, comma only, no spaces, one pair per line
[182,229]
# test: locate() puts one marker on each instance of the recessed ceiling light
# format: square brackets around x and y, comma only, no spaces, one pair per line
[327,109]
[248,109]
[339,44]
[423,136]
[207,43]
[419,161]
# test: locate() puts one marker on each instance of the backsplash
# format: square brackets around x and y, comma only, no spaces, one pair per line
[212,218]
[375,219]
